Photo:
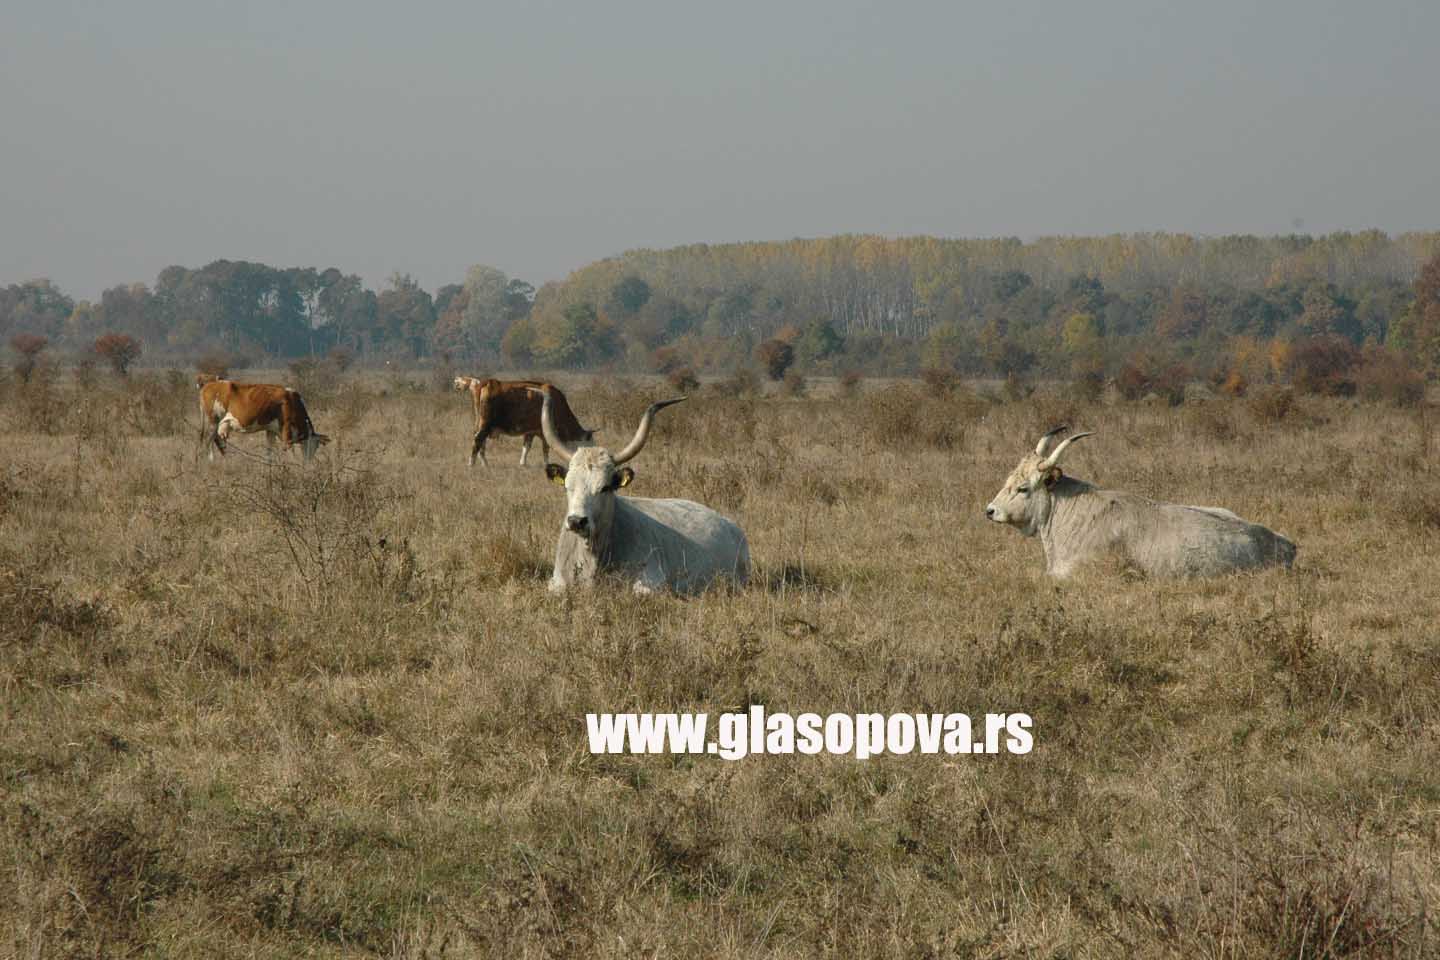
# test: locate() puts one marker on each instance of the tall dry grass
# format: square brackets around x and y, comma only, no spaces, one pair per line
[258,708]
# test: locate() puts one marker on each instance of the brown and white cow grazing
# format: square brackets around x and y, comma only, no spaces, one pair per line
[227,406]
[512,407]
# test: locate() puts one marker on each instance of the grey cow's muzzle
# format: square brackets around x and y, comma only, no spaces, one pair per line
[578,525]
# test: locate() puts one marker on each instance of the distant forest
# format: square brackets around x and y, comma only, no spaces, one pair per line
[1055,307]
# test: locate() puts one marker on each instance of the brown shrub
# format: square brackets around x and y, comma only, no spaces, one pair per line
[775,358]
[1234,384]
[941,382]
[742,383]
[1271,404]
[1143,375]
[683,379]
[902,416]
[1132,382]
[666,360]
[1324,365]
[1388,376]
[120,350]
[27,348]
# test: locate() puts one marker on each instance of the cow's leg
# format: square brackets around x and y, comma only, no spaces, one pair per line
[207,436]
[478,448]
[222,432]
[544,453]
[269,444]
[525,447]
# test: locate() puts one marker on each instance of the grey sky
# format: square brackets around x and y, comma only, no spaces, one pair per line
[539,136]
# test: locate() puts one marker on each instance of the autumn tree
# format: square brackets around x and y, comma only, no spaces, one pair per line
[518,344]
[120,350]
[1083,342]
[1418,331]
[36,306]
[1145,373]
[1007,285]
[1001,352]
[447,337]
[628,296]
[577,337]
[1244,364]
[945,348]
[1324,365]
[405,316]
[1184,316]
[27,348]
[485,320]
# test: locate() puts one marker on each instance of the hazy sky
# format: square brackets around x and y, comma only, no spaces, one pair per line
[539,136]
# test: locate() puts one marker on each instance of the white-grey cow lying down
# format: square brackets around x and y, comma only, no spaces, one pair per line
[655,544]
[1077,522]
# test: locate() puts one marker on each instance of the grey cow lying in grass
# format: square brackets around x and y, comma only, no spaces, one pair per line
[657,544]
[1077,522]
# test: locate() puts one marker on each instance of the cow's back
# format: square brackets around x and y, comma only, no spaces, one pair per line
[1190,542]
[1163,539]
[507,405]
[215,398]
[513,406]
[693,544]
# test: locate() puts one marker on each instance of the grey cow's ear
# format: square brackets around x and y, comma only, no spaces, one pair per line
[623,476]
[1052,476]
[556,472]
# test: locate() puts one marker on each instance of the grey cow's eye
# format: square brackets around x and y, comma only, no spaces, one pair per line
[1023,491]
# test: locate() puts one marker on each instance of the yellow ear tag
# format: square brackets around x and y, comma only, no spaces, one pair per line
[558,478]
[626,475]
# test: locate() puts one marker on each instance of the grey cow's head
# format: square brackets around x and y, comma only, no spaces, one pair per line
[592,475]
[1025,501]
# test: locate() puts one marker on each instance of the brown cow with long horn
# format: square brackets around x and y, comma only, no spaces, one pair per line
[655,544]
[512,407]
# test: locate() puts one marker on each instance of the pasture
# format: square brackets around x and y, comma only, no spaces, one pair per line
[255,709]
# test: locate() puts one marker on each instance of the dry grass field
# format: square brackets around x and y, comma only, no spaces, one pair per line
[331,710]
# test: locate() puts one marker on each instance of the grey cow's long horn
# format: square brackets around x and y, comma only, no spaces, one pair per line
[637,442]
[547,428]
[1054,458]
[1045,440]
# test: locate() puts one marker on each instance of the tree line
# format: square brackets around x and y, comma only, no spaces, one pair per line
[1057,307]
